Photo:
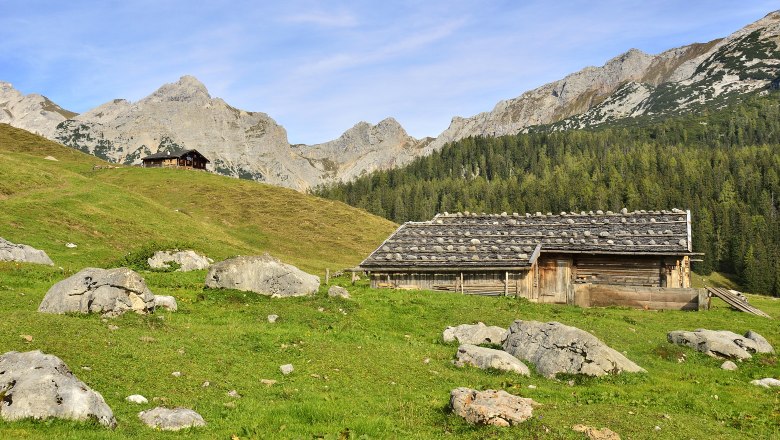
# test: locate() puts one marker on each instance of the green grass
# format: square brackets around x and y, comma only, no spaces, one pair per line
[360,364]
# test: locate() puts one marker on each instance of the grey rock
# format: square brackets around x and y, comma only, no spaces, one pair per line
[22,253]
[762,345]
[556,348]
[262,274]
[187,260]
[717,343]
[272,318]
[286,369]
[490,407]
[338,291]
[729,366]
[166,302]
[37,385]
[485,358]
[108,291]
[167,419]
[137,398]
[475,334]
[766,382]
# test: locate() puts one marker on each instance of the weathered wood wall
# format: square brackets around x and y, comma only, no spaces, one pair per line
[640,297]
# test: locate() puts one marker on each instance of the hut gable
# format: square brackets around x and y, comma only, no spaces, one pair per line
[514,240]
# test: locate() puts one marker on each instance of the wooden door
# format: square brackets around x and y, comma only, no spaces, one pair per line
[555,281]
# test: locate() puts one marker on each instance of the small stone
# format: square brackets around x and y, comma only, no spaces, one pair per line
[27,338]
[86,368]
[533,387]
[113,327]
[657,428]
[320,309]
[730,366]
[427,360]
[71,245]
[267,382]
[205,384]
[272,318]
[767,382]
[286,369]
[234,394]
[146,339]
[166,419]
[176,374]
[137,398]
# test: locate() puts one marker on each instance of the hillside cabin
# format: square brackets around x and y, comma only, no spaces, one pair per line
[191,159]
[636,259]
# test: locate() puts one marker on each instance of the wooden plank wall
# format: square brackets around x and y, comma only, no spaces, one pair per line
[649,298]
[620,270]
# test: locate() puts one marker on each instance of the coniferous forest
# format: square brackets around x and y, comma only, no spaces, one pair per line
[722,164]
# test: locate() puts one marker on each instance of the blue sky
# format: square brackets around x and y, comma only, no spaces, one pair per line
[319,67]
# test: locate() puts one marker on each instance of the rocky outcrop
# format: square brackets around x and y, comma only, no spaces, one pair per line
[32,112]
[721,343]
[488,358]
[166,419]
[490,407]
[22,253]
[261,274]
[556,348]
[107,291]
[40,386]
[184,261]
[475,334]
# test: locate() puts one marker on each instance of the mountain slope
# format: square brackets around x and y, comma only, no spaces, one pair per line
[110,211]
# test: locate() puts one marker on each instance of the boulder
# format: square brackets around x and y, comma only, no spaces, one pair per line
[108,291]
[22,253]
[37,385]
[485,358]
[556,348]
[729,366]
[762,345]
[338,291]
[262,274]
[475,334]
[186,260]
[166,302]
[490,407]
[167,419]
[719,343]
[766,382]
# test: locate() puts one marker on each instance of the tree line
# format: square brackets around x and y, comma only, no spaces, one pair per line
[723,165]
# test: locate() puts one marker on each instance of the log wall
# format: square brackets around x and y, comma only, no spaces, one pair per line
[648,298]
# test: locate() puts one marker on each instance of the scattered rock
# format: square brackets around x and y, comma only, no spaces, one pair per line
[137,398]
[166,302]
[272,318]
[22,253]
[27,338]
[176,374]
[268,382]
[262,274]
[766,382]
[490,407]
[596,434]
[485,358]
[147,339]
[556,348]
[167,419]
[71,245]
[730,366]
[108,291]
[286,369]
[719,343]
[475,334]
[338,291]
[187,260]
[51,158]
[113,327]
[205,384]
[762,345]
[234,394]
[37,385]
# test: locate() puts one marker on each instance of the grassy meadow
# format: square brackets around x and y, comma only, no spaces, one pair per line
[372,367]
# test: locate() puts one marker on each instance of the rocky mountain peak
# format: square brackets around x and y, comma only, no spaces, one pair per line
[186,89]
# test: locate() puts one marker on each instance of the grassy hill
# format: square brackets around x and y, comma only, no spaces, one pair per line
[372,367]
[108,212]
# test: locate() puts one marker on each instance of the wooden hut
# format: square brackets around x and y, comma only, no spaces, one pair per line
[191,159]
[639,259]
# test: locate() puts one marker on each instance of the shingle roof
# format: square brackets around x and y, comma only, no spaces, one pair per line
[174,154]
[509,240]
